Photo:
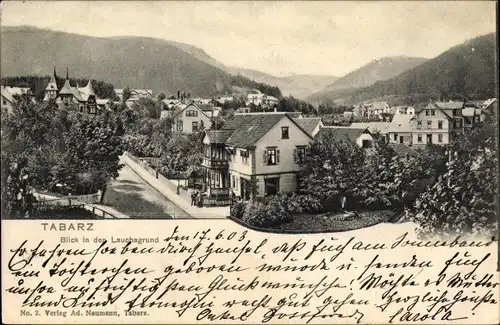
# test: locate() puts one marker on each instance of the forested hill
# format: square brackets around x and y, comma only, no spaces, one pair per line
[468,69]
[135,62]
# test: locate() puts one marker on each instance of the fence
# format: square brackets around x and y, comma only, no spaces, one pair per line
[80,201]
[174,185]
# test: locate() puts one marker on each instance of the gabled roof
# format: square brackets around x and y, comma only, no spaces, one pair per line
[181,108]
[488,102]
[7,95]
[439,106]
[18,90]
[400,123]
[308,124]
[250,128]
[86,91]
[342,132]
[218,136]
[76,92]
[381,127]
[66,89]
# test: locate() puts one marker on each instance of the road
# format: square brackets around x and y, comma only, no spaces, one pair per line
[131,195]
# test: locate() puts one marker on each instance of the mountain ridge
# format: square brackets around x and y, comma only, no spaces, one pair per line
[466,69]
[136,62]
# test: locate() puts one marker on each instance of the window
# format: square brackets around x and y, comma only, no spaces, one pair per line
[244,156]
[191,113]
[284,132]
[458,124]
[234,182]
[429,138]
[429,124]
[419,125]
[440,138]
[427,112]
[299,154]
[271,156]
[272,186]
[179,126]
[440,125]
[395,137]
[4,101]
[433,112]
[195,125]
[419,138]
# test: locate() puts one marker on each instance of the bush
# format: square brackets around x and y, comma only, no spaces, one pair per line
[275,210]
[237,209]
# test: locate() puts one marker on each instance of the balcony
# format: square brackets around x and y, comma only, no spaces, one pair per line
[215,162]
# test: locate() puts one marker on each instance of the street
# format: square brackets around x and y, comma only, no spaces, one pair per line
[132,196]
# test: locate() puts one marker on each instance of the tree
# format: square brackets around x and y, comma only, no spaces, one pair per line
[332,170]
[464,198]
[43,146]
[126,94]
[161,96]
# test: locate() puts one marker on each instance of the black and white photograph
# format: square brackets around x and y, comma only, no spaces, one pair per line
[345,115]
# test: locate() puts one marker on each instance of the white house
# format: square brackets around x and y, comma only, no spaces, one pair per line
[189,118]
[400,130]
[255,155]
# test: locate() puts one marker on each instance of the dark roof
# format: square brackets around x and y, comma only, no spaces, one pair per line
[206,107]
[294,114]
[308,124]
[342,132]
[248,129]
[218,136]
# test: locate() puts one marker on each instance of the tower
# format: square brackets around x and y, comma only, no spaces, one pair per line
[51,89]
[65,93]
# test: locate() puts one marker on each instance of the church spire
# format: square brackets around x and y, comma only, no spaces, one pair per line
[67,73]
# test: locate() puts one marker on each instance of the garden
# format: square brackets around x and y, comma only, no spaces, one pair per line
[343,187]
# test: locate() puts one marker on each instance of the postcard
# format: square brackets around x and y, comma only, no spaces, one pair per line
[249,162]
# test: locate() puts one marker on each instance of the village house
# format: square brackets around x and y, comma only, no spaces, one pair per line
[437,123]
[348,114]
[381,128]
[135,94]
[361,136]
[403,110]
[10,95]
[83,99]
[225,99]
[169,103]
[361,110]
[189,118]
[254,155]
[376,109]
[400,130]
[260,99]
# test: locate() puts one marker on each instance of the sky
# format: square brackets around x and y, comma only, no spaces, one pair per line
[279,38]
